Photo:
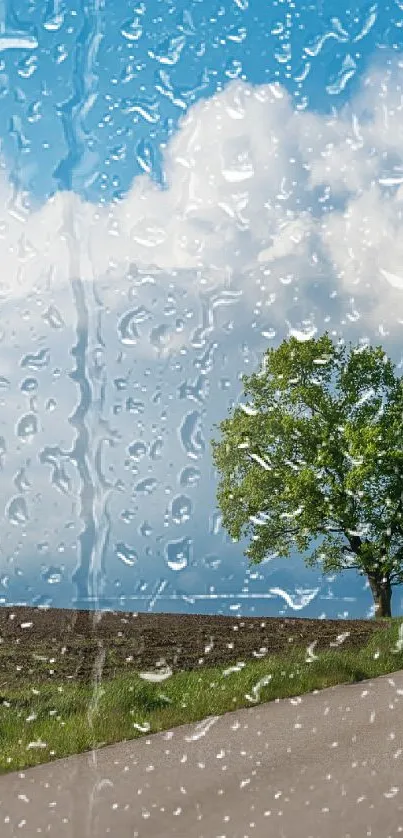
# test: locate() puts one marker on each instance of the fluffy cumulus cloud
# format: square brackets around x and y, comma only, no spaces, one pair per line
[125,326]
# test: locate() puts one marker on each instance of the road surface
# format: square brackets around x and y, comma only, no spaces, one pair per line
[324,765]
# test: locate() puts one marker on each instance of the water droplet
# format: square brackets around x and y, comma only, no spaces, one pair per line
[52,575]
[302,335]
[338,33]
[21,481]
[156,448]
[27,427]
[118,152]
[43,546]
[181,509]
[36,361]
[126,554]
[29,385]
[143,728]
[53,318]
[27,66]
[137,450]
[189,476]
[368,24]
[120,384]
[127,328]
[191,436]
[156,677]
[145,155]
[147,486]
[257,688]
[133,406]
[211,561]
[215,523]
[144,529]
[60,53]
[178,553]
[347,70]
[224,383]
[17,511]
[132,30]
[269,333]
[54,22]
[202,729]
[297,601]
[127,516]
[159,336]
[146,108]
[169,50]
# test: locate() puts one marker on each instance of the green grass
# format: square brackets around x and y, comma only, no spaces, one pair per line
[47,721]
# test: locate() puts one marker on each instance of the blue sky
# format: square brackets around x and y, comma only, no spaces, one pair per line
[89,108]
[183,183]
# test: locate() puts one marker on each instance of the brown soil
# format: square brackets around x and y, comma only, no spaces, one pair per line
[49,644]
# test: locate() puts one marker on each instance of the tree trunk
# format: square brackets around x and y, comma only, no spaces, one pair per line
[382,594]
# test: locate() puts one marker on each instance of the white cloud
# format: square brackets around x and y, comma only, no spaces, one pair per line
[268,212]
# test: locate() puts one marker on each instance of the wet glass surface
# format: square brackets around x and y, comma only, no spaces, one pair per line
[183,185]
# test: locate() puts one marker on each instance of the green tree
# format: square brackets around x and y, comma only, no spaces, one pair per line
[316,454]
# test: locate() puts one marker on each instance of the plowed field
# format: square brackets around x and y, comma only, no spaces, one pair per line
[53,644]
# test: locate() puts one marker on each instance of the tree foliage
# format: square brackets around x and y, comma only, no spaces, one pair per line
[317,452]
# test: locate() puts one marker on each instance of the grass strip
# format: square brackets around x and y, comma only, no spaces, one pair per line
[41,722]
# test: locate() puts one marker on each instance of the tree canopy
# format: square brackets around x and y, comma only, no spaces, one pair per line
[317,452]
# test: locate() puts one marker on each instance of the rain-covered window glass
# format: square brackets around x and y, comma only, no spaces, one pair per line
[201,402]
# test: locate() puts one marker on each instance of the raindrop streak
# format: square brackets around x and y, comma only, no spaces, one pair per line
[348,69]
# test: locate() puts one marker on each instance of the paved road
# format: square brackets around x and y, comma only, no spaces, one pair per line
[324,765]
